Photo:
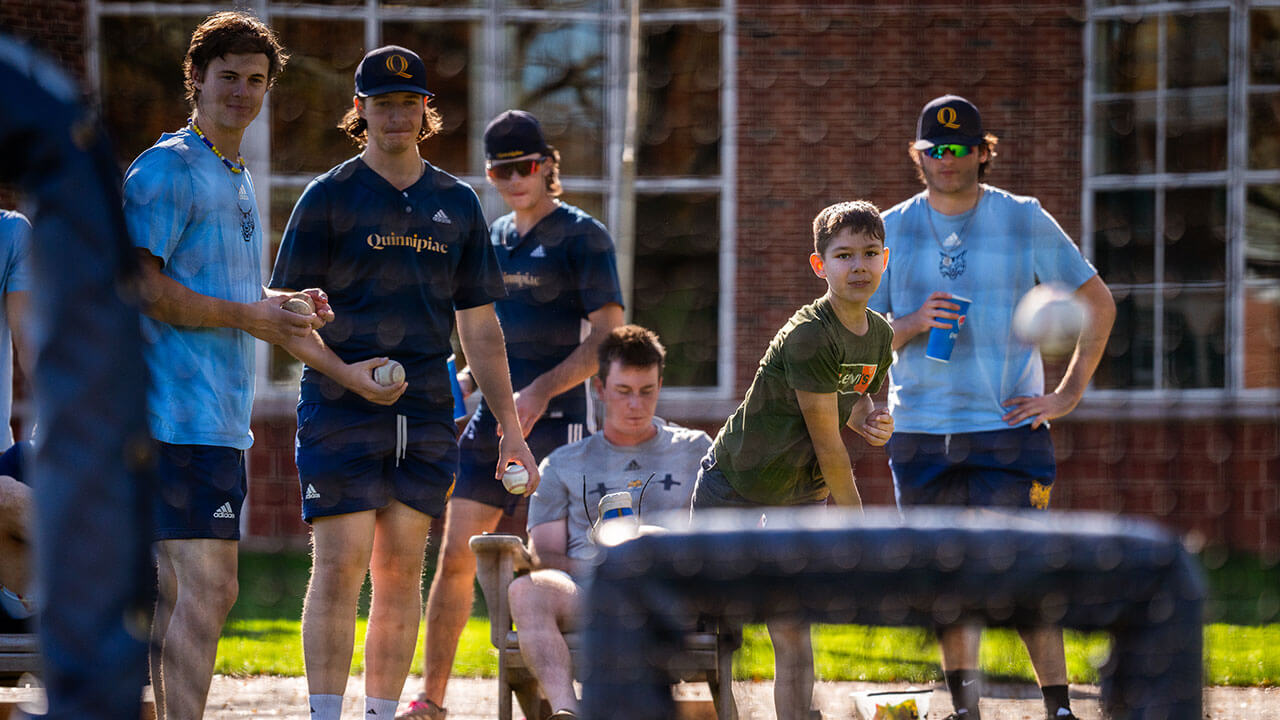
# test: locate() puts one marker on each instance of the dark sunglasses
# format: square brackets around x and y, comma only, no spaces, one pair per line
[937,152]
[524,167]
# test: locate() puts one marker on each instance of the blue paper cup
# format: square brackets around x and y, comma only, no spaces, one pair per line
[943,340]
[459,405]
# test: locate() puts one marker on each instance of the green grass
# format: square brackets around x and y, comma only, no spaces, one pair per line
[1242,639]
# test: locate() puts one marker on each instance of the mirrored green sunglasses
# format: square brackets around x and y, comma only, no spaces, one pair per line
[938,151]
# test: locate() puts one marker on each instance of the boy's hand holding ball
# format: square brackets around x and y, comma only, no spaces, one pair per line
[877,428]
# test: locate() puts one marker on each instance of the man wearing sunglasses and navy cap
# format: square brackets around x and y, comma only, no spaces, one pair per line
[974,431]
[403,250]
[560,270]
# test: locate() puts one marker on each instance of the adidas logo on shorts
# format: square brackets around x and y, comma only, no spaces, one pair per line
[441,217]
[311,492]
[225,512]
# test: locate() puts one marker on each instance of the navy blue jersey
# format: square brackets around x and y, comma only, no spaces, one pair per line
[396,264]
[562,270]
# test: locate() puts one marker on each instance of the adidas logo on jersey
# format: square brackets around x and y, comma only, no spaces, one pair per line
[633,465]
[225,512]
[311,492]
[441,217]
[539,252]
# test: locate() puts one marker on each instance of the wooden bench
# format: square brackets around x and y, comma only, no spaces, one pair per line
[709,656]
[19,653]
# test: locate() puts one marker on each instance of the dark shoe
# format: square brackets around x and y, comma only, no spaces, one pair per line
[423,709]
[562,715]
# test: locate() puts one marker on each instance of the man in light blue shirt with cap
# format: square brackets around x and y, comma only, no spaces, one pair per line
[974,431]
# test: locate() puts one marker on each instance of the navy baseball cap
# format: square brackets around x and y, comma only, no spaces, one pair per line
[513,134]
[391,69]
[949,120]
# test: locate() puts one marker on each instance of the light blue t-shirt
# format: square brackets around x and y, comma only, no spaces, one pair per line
[992,255]
[185,207]
[15,245]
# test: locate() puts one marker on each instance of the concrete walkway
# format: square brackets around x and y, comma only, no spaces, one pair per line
[233,698]
[475,699]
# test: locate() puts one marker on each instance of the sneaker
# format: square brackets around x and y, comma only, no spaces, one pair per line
[423,709]
[562,715]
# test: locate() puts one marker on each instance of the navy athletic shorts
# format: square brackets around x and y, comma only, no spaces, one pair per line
[202,489]
[478,454]
[998,468]
[351,460]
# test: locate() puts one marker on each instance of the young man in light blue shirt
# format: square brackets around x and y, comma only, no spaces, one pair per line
[974,431]
[15,246]
[190,207]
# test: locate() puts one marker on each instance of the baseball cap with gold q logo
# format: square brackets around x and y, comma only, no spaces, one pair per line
[949,120]
[389,69]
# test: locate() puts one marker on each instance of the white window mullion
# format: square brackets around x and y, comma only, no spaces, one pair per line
[725,365]
[1157,297]
[1237,159]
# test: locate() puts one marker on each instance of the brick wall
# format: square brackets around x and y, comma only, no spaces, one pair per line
[57,27]
[827,103]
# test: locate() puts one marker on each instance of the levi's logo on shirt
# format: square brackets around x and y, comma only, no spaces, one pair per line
[855,377]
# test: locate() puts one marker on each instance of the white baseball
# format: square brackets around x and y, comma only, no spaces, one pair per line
[515,479]
[1051,317]
[300,304]
[390,374]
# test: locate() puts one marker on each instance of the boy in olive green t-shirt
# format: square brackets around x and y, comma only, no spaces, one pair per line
[782,446]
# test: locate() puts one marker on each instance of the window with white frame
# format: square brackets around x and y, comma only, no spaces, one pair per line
[564,60]
[1182,193]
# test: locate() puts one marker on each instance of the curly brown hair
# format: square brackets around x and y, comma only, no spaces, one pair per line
[357,128]
[231,32]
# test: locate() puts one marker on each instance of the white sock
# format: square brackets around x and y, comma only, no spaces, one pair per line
[377,708]
[326,707]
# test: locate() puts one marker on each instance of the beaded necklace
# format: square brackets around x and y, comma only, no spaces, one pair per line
[248,223]
[235,167]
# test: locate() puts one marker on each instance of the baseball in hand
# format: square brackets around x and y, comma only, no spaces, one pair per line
[516,478]
[390,374]
[300,303]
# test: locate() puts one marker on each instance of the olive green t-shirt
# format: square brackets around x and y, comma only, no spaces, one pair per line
[764,448]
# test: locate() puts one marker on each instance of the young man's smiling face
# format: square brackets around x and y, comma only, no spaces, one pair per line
[852,265]
[232,88]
